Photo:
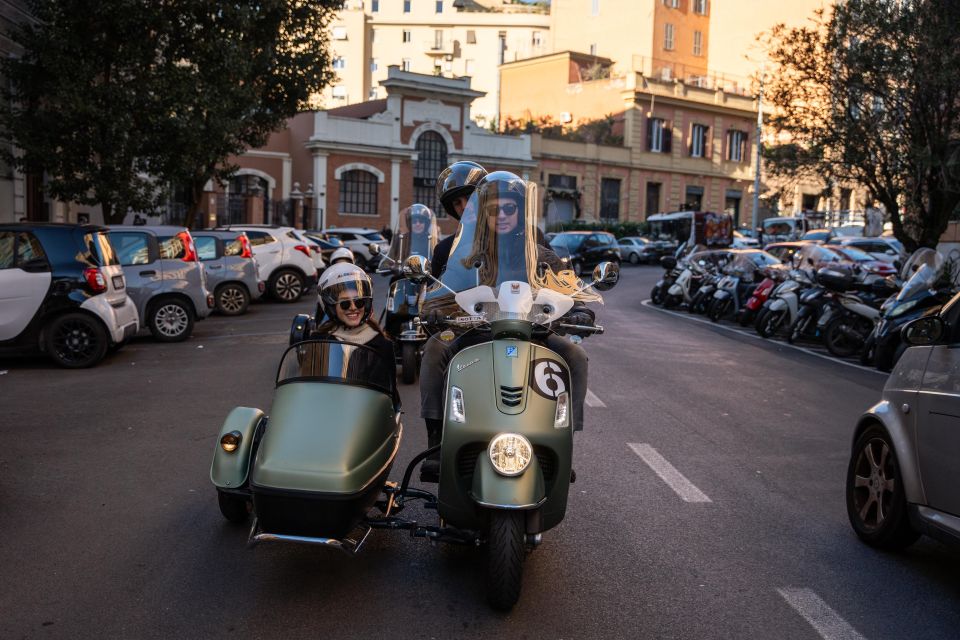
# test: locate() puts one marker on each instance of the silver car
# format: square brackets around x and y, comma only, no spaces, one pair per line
[164,277]
[905,463]
[232,273]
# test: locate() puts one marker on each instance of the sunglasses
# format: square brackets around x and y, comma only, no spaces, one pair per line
[357,303]
[508,208]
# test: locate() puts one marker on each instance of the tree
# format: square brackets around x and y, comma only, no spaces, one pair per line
[870,93]
[118,99]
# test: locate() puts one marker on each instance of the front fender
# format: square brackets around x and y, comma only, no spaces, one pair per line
[230,470]
[897,426]
[490,489]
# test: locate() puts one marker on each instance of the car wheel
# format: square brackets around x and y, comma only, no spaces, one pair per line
[876,499]
[286,285]
[76,340]
[232,299]
[234,508]
[170,320]
[634,258]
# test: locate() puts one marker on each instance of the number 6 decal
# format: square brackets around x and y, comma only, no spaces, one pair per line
[549,378]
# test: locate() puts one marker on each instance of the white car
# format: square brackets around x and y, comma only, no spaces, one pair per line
[741,241]
[358,240]
[286,260]
[885,249]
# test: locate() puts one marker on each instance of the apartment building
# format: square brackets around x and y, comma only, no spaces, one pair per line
[448,38]
[20,196]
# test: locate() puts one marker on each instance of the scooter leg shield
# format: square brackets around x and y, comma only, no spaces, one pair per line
[230,469]
[491,489]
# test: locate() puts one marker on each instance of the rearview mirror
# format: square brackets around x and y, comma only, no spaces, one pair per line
[923,332]
[605,275]
[416,267]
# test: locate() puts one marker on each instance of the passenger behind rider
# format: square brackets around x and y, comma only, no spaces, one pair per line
[346,294]
[455,186]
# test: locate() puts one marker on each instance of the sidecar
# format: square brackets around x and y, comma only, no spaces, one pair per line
[311,470]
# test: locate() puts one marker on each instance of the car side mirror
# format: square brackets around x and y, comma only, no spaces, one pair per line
[36,265]
[416,268]
[606,275]
[374,249]
[924,332]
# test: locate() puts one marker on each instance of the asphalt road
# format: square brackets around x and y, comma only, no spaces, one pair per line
[709,504]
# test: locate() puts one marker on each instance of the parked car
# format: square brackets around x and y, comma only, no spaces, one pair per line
[327,243]
[741,241]
[784,251]
[358,240]
[165,278]
[905,461]
[886,249]
[62,291]
[817,235]
[232,273]
[587,249]
[285,259]
[640,250]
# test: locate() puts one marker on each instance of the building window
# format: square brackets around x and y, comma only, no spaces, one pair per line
[668,37]
[698,43]
[736,145]
[556,181]
[535,39]
[653,198]
[698,140]
[438,39]
[375,6]
[594,7]
[673,4]
[431,160]
[339,92]
[358,192]
[610,199]
[405,65]
[439,6]
[406,35]
[658,135]
[406,6]
[339,33]
[471,36]
[339,63]
[700,6]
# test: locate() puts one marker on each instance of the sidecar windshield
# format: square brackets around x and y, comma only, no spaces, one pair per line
[415,235]
[336,362]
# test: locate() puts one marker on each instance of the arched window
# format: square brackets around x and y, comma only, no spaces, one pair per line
[358,192]
[431,160]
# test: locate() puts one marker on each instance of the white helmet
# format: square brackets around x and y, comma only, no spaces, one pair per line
[340,255]
[342,277]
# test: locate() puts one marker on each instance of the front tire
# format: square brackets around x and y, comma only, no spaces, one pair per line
[170,320]
[408,362]
[876,499]
[656,295]
[719,310]
[505,555]
[837,338]
[232,299]
[771,323]
[76,341]
[234,508]
[286,285]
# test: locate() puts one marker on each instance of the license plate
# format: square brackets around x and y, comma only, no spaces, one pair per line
[118,283]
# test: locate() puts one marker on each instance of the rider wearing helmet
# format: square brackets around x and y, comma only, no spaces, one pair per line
[455,185]
[342,254]
[505,204]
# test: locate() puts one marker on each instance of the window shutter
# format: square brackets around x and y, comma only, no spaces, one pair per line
[707,143]
[649,134]
[745,149]
[667,137]
[690,133]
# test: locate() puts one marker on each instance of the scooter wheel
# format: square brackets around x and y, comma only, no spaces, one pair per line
[505,555]
[718,310]
[771,323]
[408,362]
[233,507]
[656,295]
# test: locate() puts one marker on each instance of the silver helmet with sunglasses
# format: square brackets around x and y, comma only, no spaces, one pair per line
[345,277]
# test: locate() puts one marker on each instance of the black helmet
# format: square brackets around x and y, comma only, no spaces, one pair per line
[458,181]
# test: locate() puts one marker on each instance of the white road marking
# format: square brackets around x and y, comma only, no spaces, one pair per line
[593,401]
[818,613]
[647,303]
[668,473]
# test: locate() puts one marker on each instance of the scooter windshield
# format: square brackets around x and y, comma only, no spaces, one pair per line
[336,362]
[920,257]
[416,234]
[925,277]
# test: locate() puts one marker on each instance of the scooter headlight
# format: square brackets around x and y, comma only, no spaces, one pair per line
[562,417]
[901,309]
[457,410]
[510,454]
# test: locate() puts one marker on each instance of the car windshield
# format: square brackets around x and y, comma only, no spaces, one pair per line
[374,237]
[416,234]
[336,362]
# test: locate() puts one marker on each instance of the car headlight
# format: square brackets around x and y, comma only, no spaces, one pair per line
[510,454]
[457,410]
[899,310]
[562,417]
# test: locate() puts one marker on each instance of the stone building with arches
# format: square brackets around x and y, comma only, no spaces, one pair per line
[360,165]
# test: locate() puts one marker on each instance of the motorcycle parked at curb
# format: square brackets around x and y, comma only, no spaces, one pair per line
[852,319]
[735,288]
